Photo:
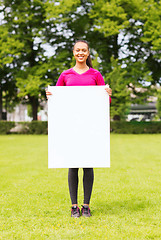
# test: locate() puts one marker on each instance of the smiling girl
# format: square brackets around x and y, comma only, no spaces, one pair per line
[82,74]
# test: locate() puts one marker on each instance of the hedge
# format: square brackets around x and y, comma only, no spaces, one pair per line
[135,127]
[38,127]
[34,127]
[5,126]
[41,127]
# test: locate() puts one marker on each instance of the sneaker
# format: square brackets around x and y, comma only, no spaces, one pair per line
[85,211]
[75,212]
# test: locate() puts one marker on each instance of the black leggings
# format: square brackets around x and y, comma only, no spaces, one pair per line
[88,177]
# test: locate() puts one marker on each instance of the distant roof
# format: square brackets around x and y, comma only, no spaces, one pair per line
[141,108]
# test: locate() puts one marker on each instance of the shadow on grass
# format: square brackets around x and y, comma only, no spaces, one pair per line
[119,207]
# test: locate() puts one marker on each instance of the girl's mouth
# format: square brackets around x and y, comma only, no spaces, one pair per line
[80,57]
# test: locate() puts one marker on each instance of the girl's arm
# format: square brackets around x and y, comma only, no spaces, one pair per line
[60,82]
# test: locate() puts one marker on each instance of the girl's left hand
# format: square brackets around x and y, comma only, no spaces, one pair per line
[108,90]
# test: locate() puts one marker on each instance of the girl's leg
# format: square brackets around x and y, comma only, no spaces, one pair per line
[73,184]
[88,178]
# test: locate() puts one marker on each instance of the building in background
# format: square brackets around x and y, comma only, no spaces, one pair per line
[140,112]
[20,113]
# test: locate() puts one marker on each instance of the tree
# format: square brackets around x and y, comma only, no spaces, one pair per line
[158,105]
[26,23]
[136,27]
[122,34]
[117,28]
[9,51]
[120,102]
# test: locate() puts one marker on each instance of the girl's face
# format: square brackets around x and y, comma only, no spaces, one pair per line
[81,52]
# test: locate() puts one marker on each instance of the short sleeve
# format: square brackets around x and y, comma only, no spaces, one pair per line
[99,79]
[61,81]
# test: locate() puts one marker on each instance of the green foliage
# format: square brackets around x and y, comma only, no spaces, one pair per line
[34,127]
[37,127]
[95,61]
[138,78]
[127,30]
[41,127]
[112,19]
[120,92]
[158,105]
[135,127]
[29,110]
[125,202]
[104,23]
[26,22]
[144,27]
[10,47]
[32,81]
[5,126]
[56,9]
[152,27]
[137,23]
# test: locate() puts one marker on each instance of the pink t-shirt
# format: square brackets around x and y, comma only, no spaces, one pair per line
[72,78]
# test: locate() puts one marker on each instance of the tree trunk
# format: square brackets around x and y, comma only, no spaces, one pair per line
[34,104]
[0,102]
[6,107]
[116,47]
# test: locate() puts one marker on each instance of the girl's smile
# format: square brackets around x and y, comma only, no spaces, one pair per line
[81,52]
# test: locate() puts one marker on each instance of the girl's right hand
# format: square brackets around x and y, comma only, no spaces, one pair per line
[48,93]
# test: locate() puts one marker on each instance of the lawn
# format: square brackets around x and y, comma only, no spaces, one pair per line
[126,199]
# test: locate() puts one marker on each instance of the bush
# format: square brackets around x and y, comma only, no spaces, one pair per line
[34,127]
[5,126]
[41,127]
[38,127]
[135,127]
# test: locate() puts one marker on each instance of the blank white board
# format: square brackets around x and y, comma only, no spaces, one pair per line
[78,127]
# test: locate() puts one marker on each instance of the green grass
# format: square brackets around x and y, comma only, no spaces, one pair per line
[126,199]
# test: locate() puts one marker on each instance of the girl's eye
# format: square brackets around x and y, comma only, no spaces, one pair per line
[83,50]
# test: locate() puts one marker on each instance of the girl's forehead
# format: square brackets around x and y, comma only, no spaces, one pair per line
[81,45]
